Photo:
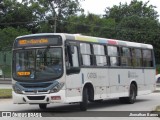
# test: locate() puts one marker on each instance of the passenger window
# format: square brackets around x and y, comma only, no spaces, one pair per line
[112,51]
[86,54]
[99,52]
[125,56]
[137,57]
[113,55]
[147,58]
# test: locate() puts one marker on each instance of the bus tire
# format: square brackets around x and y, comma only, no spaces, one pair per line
[84,103]
[132,94]
[42,106]
[122,99]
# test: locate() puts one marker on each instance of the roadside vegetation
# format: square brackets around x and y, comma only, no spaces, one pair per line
[5,93]
[136,21]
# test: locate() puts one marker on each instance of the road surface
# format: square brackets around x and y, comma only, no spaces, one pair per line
[144,103]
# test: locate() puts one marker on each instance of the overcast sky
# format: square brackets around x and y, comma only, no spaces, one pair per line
[98,6]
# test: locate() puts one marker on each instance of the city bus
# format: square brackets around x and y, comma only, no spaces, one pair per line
[73,68]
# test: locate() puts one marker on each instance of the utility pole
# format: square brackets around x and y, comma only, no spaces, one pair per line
[55,22]
[55,15]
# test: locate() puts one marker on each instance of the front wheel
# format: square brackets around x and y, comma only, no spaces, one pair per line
[84,103]
[42,106]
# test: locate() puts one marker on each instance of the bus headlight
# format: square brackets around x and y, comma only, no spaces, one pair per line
[17,89]
[57,88]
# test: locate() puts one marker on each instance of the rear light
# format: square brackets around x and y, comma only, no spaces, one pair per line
[56,97]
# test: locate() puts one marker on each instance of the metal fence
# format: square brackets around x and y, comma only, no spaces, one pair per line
[5,63]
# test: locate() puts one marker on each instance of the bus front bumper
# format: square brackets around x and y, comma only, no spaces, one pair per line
[58,97]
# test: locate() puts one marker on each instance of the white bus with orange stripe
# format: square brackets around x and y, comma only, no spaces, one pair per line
[67,68]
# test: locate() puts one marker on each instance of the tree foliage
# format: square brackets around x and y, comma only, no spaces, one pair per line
[136,21]
[15,14]
[51,10]
[18,18]
[135,8]
[90,24]
[8,35]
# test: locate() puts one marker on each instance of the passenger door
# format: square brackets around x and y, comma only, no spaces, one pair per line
[73,77]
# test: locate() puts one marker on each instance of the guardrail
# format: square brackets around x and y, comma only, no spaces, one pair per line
[5,81]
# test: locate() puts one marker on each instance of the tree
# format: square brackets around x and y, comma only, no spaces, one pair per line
[137,22]
[8,35]
[90,24]
[135,8]
[53,12]
[15,14]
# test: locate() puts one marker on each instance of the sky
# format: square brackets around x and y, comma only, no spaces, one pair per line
[98,6]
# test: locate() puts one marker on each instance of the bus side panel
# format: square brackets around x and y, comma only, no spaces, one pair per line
[73,87]
[98,77]
[118,82]
[150,79]
[137,75]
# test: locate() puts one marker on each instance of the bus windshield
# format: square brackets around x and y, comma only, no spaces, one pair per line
[38,64]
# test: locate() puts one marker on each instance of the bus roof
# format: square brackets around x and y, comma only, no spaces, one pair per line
[79,37]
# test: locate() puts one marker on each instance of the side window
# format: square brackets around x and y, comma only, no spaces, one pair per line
[113,55]
[137,57]
[75,57]
[125,56]
[72,56]
[147,58]
[99,52]
[86,55]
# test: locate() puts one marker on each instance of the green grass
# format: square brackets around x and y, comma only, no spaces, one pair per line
[5,93]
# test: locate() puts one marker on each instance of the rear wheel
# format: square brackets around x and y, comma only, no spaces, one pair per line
[122,99]
[42,106]
[84,103]
[132,95]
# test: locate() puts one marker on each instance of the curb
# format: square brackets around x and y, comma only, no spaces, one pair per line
[5,80]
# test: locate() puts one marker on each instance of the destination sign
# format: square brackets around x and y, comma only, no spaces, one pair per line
[38,41]
[33,41]
[26,73]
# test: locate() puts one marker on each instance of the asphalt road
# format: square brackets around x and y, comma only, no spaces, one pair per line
[144,103]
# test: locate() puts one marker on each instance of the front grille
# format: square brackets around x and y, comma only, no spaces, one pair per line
[36,97]
[36,92]
[37,85]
